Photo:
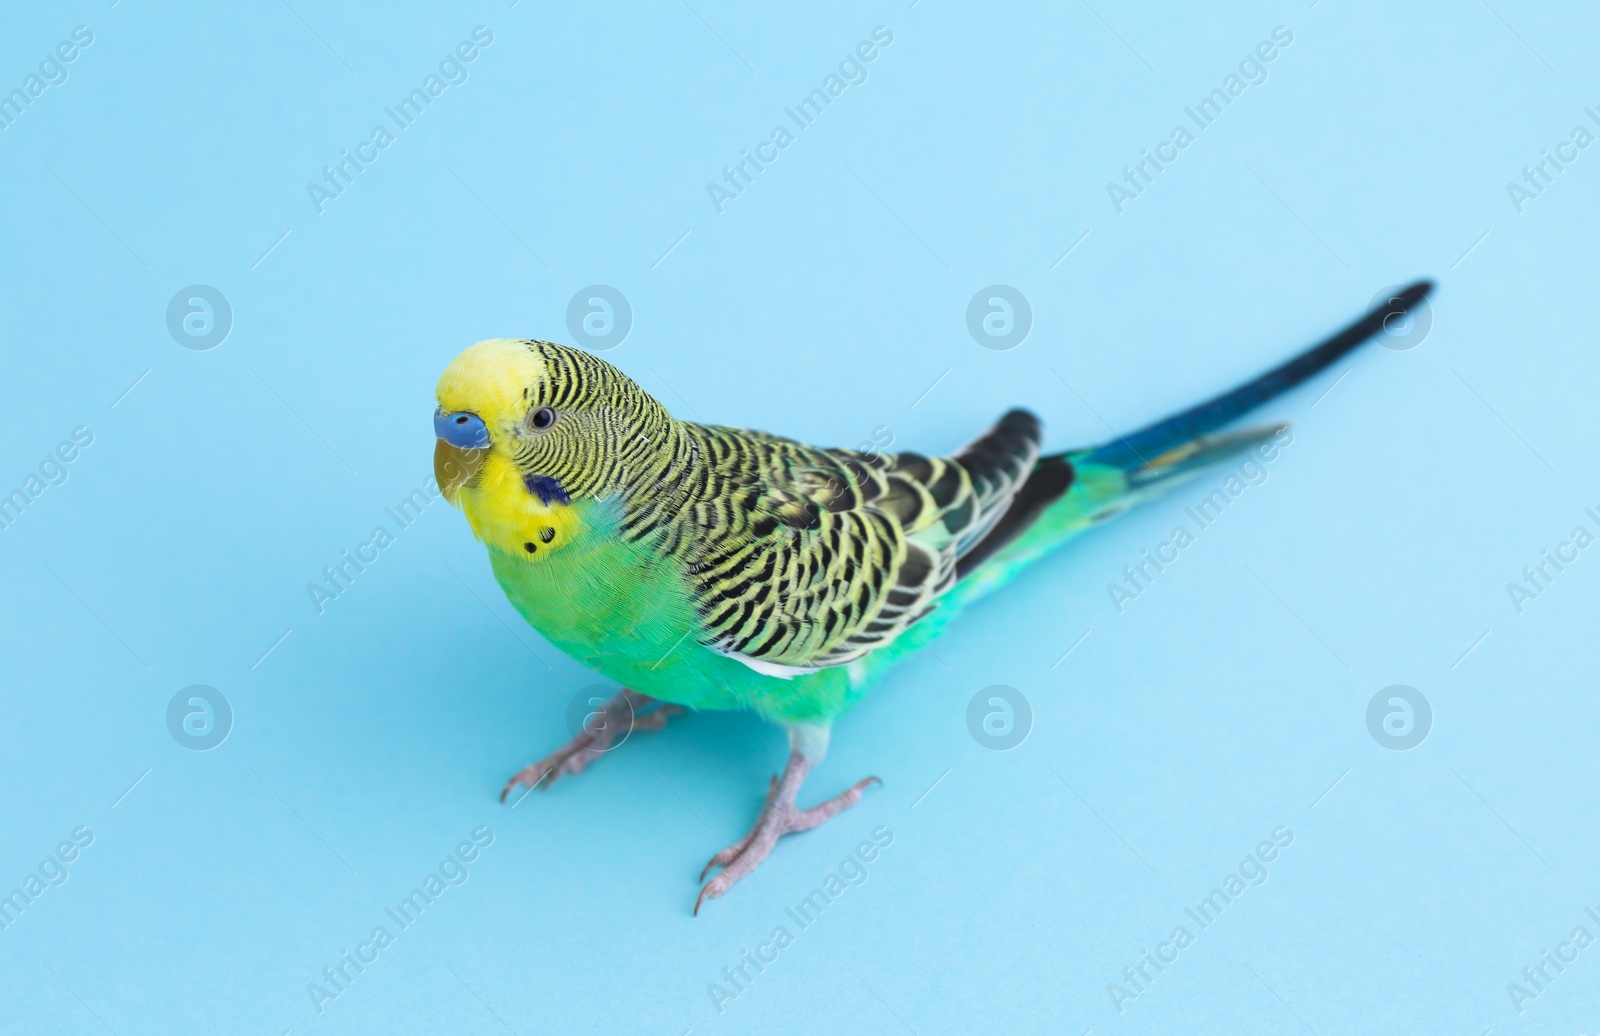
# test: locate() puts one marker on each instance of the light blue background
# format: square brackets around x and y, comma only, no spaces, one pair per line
[822,303]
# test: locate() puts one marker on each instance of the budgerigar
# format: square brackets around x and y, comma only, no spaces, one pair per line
[706,567]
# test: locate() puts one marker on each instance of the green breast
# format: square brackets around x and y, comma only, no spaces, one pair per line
[622,610]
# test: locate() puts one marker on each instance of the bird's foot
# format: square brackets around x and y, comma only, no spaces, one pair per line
[778,817]
[600,731]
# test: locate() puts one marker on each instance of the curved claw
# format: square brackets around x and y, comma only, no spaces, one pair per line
[573,758]
[778,818]
[726,856]
[585,747]
[527,777]
[716,887]
[723,858]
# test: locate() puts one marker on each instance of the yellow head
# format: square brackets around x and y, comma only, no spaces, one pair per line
[527,428]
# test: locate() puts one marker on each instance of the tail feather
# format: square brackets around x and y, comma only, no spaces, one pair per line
[1191,457]
[1050,479]
[1066,493]
[1140,447]
[998,463]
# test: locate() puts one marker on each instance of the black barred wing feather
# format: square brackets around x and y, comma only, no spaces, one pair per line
[801,558]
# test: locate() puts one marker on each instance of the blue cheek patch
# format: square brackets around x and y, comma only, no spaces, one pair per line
[546,489]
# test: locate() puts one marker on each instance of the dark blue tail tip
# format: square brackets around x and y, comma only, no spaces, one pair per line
[1412,294]
[462,429]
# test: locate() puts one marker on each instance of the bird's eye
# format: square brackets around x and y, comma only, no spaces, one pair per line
[543,417]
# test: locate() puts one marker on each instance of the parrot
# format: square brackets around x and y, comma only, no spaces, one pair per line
[708,567]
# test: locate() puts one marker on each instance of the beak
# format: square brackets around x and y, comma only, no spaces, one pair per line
[459,454]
